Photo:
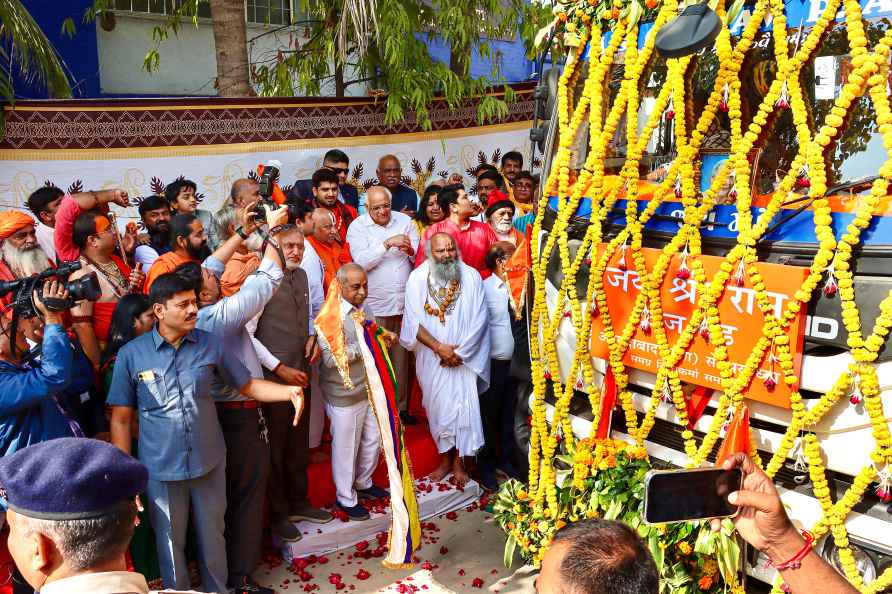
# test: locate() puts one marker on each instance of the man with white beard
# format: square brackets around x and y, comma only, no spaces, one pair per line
[500,216]
[21,252]
[445,323]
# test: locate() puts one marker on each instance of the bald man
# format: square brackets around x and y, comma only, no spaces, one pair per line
[244,191]
[390,173]
[383,242]
[326,246]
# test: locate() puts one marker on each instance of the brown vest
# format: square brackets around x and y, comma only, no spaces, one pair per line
[284,326]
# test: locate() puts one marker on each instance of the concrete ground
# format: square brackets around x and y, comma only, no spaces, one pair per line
[455,553]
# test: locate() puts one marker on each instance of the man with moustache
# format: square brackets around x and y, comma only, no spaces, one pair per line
[446,324]
[338,162]
[170,376]
[473,238]
[44,202]
[285,341]
[390,175]
[188,243]
[500,216]
[21,252]
[94,236]
[154,211]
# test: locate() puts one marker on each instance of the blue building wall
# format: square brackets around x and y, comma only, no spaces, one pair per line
[80,54]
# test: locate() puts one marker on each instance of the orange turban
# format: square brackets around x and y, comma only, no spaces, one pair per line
[12,221]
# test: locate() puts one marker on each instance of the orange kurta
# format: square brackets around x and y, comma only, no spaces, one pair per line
[239,267]
[332,255]
[164,264]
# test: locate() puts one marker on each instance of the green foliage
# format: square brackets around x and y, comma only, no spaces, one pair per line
[394,61]
[23,45]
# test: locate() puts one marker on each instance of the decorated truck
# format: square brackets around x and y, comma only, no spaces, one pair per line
[713,249]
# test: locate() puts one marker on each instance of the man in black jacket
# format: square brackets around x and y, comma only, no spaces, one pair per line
[339,162]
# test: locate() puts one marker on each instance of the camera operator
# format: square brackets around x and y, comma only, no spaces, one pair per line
[21,252]
[30,410]
[94,235]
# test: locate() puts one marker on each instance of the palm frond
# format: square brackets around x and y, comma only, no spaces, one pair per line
[416,166]
[496,155]
[156,185]
[358,21]
[25,46]
[76,186]
[431,165]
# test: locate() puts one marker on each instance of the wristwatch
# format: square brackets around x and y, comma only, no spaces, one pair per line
[241,232]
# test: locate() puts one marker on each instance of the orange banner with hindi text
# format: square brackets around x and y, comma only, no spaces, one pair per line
[740,316]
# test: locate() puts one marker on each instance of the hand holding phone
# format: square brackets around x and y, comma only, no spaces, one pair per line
[695,494]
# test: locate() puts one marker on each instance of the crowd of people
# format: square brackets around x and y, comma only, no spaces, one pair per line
[197,355]
[197,350]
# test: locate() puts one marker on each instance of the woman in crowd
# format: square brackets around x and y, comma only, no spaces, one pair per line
[132,317]
[428,211]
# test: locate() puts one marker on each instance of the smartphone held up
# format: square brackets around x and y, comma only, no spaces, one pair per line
[690,494]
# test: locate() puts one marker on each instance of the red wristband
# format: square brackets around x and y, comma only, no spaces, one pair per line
[795,561]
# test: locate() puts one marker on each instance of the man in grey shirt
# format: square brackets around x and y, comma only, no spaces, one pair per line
[354,431]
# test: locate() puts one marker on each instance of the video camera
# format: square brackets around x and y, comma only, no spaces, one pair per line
[85,288]
[267,183]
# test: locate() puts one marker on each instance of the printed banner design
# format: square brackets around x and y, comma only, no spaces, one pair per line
[738,311]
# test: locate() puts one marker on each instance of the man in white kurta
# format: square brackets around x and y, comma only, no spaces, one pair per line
[450,338]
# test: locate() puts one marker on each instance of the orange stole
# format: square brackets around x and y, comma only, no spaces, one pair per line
[332,256]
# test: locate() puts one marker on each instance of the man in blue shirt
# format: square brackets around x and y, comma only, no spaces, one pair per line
[30,411]
[167,375]
[390,175]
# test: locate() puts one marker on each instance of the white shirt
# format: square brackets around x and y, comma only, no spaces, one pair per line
[145,256]
[500,335]
[388,269]
[45,239]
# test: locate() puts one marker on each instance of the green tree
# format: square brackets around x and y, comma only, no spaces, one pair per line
[24,47]
[381,42]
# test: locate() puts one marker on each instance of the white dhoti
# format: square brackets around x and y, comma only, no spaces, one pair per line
[355,446]
[451,394]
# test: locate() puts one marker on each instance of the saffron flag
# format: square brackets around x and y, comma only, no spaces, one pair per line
[737,437]
[405,528]
[517,272]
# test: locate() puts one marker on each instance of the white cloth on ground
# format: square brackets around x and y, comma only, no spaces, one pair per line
[355,446]
[450,395]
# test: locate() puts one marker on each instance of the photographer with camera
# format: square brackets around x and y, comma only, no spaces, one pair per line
[30,411]
[22,256]
[94,236]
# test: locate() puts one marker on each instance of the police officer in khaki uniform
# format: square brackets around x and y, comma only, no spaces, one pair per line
[71,508]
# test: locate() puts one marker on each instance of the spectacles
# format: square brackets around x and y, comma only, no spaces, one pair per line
[340,170]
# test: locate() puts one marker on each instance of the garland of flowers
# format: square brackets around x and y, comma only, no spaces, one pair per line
[807,173]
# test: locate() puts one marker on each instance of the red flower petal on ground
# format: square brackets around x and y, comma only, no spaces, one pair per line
[362,574]
[443,550]
[461,572]
[299,563]
[494,572]
[304,576]
[452,516]
[477,583]
[427,565]
[362,545]
[323,560]
[340,586]
[312,559]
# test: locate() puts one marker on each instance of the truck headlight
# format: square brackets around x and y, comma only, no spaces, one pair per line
[863,561]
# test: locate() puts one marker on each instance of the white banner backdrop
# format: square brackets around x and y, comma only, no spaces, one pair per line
[213,168]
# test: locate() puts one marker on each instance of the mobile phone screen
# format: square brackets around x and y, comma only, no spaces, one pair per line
[681,495]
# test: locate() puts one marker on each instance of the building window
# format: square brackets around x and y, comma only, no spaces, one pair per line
[269,12]
[264,12]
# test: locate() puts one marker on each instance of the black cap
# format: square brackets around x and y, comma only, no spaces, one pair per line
[69,479]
